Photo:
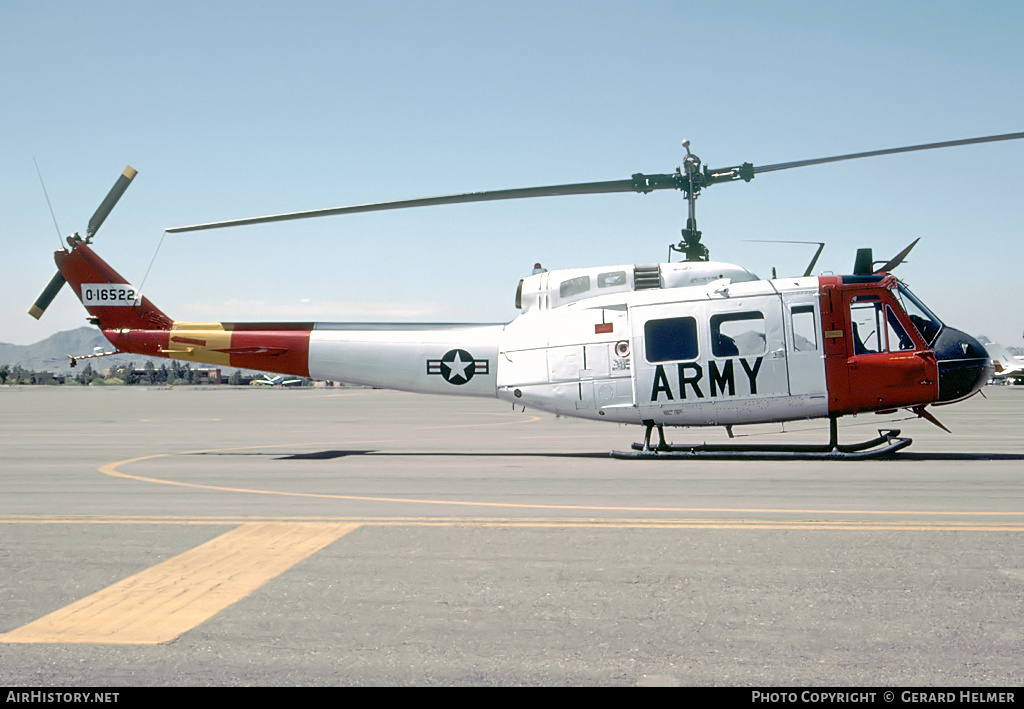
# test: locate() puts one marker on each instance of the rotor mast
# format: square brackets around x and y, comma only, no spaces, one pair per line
[690,245]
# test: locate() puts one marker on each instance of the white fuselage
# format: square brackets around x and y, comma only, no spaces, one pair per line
[721,352]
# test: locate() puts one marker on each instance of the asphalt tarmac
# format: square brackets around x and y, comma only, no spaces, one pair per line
[357,537]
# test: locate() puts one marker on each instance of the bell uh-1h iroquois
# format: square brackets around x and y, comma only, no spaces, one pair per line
[686,343]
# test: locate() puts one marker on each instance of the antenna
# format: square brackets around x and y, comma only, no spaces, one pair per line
[45,194]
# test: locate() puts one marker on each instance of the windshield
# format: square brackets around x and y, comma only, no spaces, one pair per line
[924,320]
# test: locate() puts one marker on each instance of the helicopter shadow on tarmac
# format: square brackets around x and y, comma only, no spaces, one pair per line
[335,454]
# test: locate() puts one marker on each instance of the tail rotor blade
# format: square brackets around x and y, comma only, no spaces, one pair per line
[47,296]
[111,199]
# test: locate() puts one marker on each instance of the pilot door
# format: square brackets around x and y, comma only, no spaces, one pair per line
[877,359]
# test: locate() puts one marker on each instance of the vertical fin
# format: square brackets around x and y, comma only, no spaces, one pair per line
[109,298]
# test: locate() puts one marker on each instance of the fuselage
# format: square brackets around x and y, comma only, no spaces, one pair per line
[673,344]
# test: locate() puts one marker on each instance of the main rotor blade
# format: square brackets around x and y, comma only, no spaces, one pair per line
[814,260]
[888,151]
[646,185]
[47,296]
[111,199]
[638,183]
[898,258]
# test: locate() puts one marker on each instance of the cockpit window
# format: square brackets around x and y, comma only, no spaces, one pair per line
[876,327]
[925,322]
[867,324]
[896,334]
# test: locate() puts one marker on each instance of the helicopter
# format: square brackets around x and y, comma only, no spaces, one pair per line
[688,343]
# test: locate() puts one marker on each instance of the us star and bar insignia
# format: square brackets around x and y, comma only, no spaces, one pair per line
[458,366]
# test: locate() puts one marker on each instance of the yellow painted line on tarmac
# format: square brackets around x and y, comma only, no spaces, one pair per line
[166,600]
[112,470]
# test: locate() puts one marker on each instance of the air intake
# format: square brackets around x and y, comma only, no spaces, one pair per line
[646,277]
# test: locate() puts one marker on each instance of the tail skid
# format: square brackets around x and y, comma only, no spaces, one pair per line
[74,358]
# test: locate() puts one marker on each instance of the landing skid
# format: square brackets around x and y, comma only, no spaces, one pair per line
[887,442]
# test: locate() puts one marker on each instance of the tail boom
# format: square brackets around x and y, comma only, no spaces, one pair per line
[439,358]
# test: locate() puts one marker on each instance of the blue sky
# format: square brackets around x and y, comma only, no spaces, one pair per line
[236,109]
